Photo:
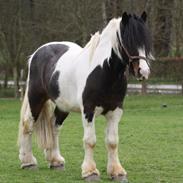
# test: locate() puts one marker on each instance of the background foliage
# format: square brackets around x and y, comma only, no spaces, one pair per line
[27,24]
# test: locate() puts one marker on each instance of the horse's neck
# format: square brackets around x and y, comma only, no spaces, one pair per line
[99,48]
[106,57]
[110,32]
[116,64]
[108,47]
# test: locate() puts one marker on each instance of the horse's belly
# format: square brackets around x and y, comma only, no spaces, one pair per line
[67,101]
[67,105]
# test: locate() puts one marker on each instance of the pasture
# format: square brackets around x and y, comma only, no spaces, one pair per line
[150,145]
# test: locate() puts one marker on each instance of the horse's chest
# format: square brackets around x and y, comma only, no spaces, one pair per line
[104,92]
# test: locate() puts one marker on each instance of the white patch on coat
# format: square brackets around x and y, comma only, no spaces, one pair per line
[113,118]
[98,110]
[144,68]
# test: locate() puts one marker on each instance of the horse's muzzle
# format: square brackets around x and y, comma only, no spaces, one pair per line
[143,74]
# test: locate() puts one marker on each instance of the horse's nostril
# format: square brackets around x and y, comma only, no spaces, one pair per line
[143,73]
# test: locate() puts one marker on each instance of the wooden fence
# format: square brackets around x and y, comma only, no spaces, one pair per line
[155,88]
[141,88]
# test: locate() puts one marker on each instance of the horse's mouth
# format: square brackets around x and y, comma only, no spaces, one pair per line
[141,78]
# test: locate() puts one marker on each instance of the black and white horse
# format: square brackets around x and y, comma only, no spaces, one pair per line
[64,77]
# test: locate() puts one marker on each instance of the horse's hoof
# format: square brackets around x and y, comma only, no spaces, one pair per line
[57,167]
[92,177]
[120,178]
[29,167]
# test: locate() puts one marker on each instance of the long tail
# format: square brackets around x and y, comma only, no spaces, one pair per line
[23,118]
[44,126]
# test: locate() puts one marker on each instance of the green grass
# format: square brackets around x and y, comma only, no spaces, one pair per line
[150,149]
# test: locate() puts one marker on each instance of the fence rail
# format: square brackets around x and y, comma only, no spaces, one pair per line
[155,88]
[135,88]
[10,84]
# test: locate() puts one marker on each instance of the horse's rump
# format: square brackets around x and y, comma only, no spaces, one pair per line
[42,81]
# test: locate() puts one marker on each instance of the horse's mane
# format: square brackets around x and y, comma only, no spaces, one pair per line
[92,44]
[109,32]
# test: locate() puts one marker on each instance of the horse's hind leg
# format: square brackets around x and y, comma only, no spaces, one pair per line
[52,154]
[25,134]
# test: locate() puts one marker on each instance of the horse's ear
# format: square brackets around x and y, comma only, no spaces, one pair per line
[144,16]
[125,18]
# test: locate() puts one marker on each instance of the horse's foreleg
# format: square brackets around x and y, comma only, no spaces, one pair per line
[53,156]
[89,170]
[114,168]
[25,137]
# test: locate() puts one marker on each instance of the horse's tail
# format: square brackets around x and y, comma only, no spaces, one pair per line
[22,117]
[44,126]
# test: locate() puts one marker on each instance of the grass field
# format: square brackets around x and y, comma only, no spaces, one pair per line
[151,144]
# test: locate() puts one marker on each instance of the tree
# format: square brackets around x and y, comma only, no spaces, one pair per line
[163,27]
[12,38]
[178,26]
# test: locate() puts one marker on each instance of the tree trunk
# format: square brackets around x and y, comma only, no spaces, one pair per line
[5,79]
[178,30]
[104,15]
[16,82]
[22,86]
[131,5]
[163,24]
[112,9]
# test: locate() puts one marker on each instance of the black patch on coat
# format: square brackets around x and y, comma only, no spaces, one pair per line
[53,85]
[40,79]
[105,86]
[88,115]
[60,116]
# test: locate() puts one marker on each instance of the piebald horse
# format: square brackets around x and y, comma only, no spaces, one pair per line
[63,77]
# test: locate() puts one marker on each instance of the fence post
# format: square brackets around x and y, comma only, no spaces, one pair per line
[21,90]
[144,88]
[16,82]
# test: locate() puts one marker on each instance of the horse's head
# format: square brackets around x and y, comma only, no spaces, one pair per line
[135,44]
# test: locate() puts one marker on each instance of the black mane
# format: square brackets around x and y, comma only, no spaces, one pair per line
[135,34]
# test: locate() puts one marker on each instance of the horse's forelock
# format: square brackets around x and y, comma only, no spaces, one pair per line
[135,34]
